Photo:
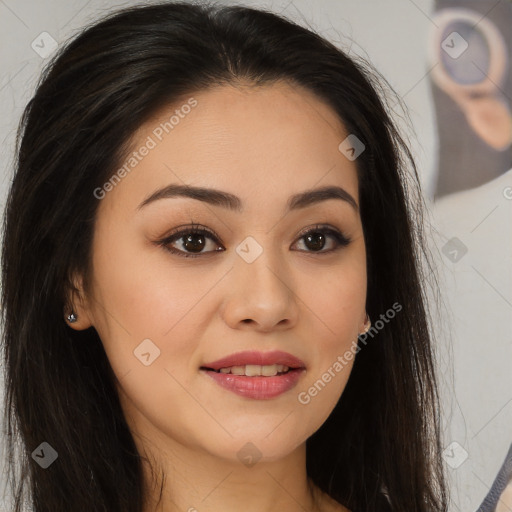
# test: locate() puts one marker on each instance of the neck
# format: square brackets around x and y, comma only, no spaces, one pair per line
[198,482]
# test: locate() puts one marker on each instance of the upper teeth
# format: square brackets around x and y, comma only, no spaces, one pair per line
[252,370]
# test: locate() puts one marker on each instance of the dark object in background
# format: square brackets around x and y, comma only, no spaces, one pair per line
[472,92]
[503,479]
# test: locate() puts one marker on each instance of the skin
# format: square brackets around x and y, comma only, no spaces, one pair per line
[505,501]
[262,144]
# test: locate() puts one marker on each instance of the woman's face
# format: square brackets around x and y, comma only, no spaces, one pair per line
[258,284]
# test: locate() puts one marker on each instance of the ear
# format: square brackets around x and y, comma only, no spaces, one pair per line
[491,119]
[365,324]
[78,304]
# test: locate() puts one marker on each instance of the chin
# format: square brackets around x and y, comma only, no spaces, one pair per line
[255,446]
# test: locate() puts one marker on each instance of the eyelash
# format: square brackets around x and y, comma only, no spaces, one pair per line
[196,229]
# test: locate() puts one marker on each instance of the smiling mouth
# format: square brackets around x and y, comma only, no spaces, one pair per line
[254,370]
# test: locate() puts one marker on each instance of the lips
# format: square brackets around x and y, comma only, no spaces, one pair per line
[256,375]
[255,358]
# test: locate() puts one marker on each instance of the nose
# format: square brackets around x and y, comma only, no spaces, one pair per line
[262,295]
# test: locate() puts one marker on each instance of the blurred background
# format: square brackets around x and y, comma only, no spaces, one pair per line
[449,62]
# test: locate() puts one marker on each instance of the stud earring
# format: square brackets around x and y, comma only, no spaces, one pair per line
[72,318]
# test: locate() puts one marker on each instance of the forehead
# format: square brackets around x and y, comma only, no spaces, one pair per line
[256,141]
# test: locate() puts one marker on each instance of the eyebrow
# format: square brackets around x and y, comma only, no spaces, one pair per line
[234,203]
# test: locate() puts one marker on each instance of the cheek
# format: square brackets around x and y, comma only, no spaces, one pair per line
[336,300]
[149,322]
[139,296]
[333,321]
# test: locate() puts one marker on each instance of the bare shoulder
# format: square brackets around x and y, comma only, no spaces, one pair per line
[326,503]
[331,505]
[337,507]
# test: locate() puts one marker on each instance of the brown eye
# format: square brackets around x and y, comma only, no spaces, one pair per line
[315,239]
[192,242]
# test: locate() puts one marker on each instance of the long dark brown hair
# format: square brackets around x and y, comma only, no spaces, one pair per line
[384,433]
